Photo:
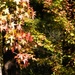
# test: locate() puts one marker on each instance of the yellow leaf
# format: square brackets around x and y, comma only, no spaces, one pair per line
[72,34]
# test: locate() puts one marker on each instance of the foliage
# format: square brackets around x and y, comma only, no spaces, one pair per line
[13,17]
[47,38]
[57,23]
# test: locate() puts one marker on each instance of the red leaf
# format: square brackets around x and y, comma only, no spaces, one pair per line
[27,36]
[30,39]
